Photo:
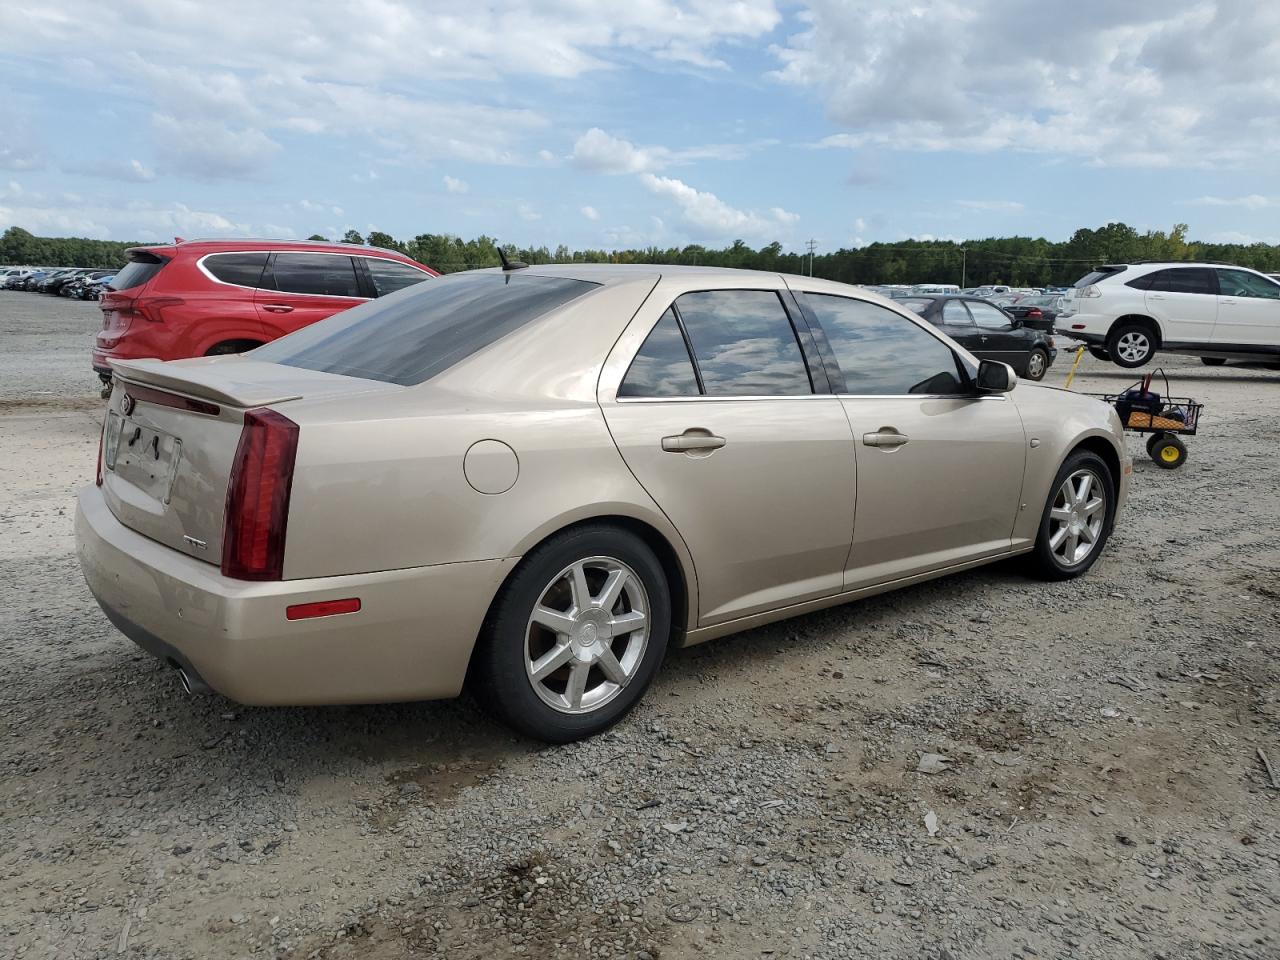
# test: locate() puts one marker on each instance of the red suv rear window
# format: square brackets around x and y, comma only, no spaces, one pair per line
[142,266]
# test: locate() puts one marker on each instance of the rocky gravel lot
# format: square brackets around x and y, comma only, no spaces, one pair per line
[984,766]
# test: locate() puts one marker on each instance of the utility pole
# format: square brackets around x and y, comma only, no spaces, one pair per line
[811,245]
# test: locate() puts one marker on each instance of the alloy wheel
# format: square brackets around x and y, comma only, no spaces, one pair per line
[1035,365]
[1133,347]
[1076,517]
[587,634]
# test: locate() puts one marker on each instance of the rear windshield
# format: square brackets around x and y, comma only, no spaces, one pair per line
[142,266]
[1101,273]
[411,336]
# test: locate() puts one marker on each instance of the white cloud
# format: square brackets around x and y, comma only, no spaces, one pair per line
[591,213]
[454,185]
[600,152]
[1148,82]
[130,171]
[992,206]
[1253,201]
[708,213]
[1244,239]
[210,149]
[526,212]
[105,217]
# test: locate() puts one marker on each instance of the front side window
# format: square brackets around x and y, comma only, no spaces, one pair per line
[1182,280]
[242,269]
[663,367]
[882,353]
[410,339]
[989,317]
[744,344]
[1241,283]
[956,314]
[388,276]
[318,274]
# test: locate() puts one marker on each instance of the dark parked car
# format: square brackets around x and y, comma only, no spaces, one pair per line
[1037,311]
[988,332]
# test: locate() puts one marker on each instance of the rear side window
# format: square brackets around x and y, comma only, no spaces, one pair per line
[388,276]
[1182,280]
[956,314]
[142,266]
[744,343]
[1099,274]
[663,367]
[410,339]
[318,274]
[242,269]
[882,353]
[919,304]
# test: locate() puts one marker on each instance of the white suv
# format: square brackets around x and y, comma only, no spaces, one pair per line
[1126,312]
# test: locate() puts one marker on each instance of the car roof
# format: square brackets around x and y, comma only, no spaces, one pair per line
[261,243]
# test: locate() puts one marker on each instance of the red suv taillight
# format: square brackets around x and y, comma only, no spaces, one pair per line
[258,497]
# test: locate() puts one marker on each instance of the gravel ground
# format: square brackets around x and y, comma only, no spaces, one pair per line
[1102,794]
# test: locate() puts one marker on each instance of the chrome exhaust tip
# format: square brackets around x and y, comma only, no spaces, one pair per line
[192,685]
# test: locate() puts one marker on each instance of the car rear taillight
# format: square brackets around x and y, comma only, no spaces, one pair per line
[1090,291]
[258,497]
[101,437]
[1035,313]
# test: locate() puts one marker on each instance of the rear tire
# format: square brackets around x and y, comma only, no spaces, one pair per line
[1168,452]
[1071,521]
[1099,354]
[1131,344]
[557,668]
[1213,361]
[1037,364]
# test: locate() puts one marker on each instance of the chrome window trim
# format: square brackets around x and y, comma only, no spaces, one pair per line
[311,253]
[816,396]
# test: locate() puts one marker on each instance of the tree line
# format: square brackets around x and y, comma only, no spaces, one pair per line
[1017,261]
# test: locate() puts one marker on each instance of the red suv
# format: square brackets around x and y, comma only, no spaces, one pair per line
[201,297]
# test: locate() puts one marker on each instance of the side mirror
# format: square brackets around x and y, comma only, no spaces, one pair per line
[1016,321]
[995,377]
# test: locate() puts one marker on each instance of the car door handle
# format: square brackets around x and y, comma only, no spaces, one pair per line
[277,308]
[692,440]
[1225,300]
[885,437]
[1155,296]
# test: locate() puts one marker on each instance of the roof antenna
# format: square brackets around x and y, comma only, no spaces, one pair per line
[509,265]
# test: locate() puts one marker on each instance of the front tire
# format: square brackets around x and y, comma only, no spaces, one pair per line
[1077,518]
[1037,364]
[1099,354]
[575,635]
[1131,345]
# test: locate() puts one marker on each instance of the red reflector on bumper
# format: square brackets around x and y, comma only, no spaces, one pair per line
[1077,326]
[322,608]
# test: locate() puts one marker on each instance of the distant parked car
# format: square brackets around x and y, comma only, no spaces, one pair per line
[988,332]
[1036,312]
[1128,312]
[204,297]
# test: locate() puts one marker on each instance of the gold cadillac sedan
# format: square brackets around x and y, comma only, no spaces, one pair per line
[535,480]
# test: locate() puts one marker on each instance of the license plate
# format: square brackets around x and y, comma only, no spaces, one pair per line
[145,457]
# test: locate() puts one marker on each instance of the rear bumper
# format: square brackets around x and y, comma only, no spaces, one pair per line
[411,640]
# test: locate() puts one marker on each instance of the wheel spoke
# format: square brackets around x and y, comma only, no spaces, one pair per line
[554,620]
[1087,533]
[627,622]
[578,583]
[1086,486]
[612,590]
[1055,541]
[551,661]
[577,683]
[1093,506]
[611,667]
[1073,543]
[1061,514]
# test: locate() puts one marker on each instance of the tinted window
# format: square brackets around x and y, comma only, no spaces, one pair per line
[244,269]
[662,368]
[1240,283]
[882,353]
[140,268]
[388,276]
[410,339]
[1182,280]
[329,275]
[1100,274]
[743,343]
[956,313]
[989,317]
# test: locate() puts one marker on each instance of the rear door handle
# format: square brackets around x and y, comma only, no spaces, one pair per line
[885,437]
[693,440]
[277,308]
[1155,296]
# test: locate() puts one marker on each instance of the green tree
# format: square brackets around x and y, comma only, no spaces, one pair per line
[351,236]
[317,236]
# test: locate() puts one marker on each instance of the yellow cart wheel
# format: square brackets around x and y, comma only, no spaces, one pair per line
[1168,452]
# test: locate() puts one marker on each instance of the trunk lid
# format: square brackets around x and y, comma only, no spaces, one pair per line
[171,435]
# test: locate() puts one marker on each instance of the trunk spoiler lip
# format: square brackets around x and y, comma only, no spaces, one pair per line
[194,382]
